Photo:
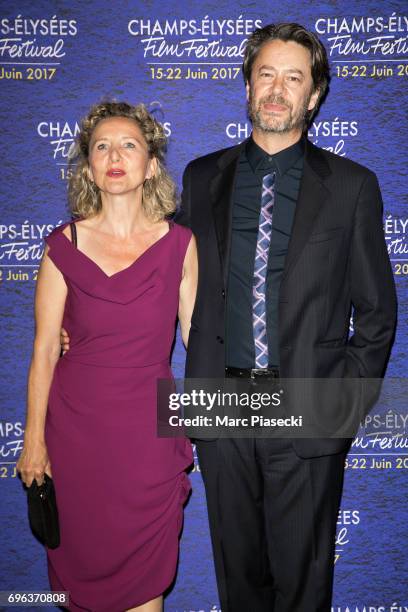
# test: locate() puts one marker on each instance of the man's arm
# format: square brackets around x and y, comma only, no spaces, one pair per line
[183,215]
[372,288]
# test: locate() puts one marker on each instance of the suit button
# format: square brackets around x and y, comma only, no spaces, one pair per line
[220,340]
[223,293]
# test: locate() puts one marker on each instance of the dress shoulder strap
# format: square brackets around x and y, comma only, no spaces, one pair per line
[74,238]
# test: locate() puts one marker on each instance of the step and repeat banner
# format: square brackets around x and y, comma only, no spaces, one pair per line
[183,61]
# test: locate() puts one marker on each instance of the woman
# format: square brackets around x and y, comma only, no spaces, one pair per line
[117,291]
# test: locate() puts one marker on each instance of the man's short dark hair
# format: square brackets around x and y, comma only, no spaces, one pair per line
[295,33]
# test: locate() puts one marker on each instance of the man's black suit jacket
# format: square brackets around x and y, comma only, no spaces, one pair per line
[337,259]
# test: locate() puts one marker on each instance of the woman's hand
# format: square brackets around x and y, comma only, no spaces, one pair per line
[33,462]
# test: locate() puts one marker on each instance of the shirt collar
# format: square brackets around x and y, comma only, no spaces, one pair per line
[261,162]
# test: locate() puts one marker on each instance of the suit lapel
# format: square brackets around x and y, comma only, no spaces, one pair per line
[221,191]
[312,195]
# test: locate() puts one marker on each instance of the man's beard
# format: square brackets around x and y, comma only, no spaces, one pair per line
[271,123]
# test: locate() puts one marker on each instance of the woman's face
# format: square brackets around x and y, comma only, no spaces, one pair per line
[119,161]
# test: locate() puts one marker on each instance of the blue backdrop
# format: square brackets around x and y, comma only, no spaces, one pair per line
[58,58]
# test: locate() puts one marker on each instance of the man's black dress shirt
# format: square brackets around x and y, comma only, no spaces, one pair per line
[254,163]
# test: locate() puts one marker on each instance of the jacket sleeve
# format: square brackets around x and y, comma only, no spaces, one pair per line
[183,214]
[372,288]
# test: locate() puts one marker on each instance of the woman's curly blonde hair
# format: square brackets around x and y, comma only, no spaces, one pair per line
[158,196]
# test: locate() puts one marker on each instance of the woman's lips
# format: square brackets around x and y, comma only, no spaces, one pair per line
[115,173]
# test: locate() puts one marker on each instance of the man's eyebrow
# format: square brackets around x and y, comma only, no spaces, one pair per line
[266,67]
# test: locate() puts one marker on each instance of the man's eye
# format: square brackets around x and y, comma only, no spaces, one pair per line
[129,145]
[266,74]
[294,78]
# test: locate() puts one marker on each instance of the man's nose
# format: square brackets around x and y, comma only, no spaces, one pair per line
[277,85]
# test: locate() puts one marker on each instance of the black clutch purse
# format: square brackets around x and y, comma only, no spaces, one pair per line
[43,513]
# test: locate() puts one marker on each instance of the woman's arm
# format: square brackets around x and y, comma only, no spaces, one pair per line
[188,289]
[50,298]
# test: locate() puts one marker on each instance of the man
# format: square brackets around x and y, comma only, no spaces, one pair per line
[290,238]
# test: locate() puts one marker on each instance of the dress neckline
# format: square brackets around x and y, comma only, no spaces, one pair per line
[98,267]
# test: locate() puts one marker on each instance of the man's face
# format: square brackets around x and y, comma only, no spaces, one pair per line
[280,91]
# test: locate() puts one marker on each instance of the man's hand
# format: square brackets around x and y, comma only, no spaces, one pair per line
[64,339]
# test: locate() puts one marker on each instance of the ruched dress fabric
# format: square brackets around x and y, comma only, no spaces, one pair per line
[120,489]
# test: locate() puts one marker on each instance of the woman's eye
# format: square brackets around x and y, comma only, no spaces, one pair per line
[101,146]
[129,145]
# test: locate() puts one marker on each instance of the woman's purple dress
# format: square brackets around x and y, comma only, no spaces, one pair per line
[120,489]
